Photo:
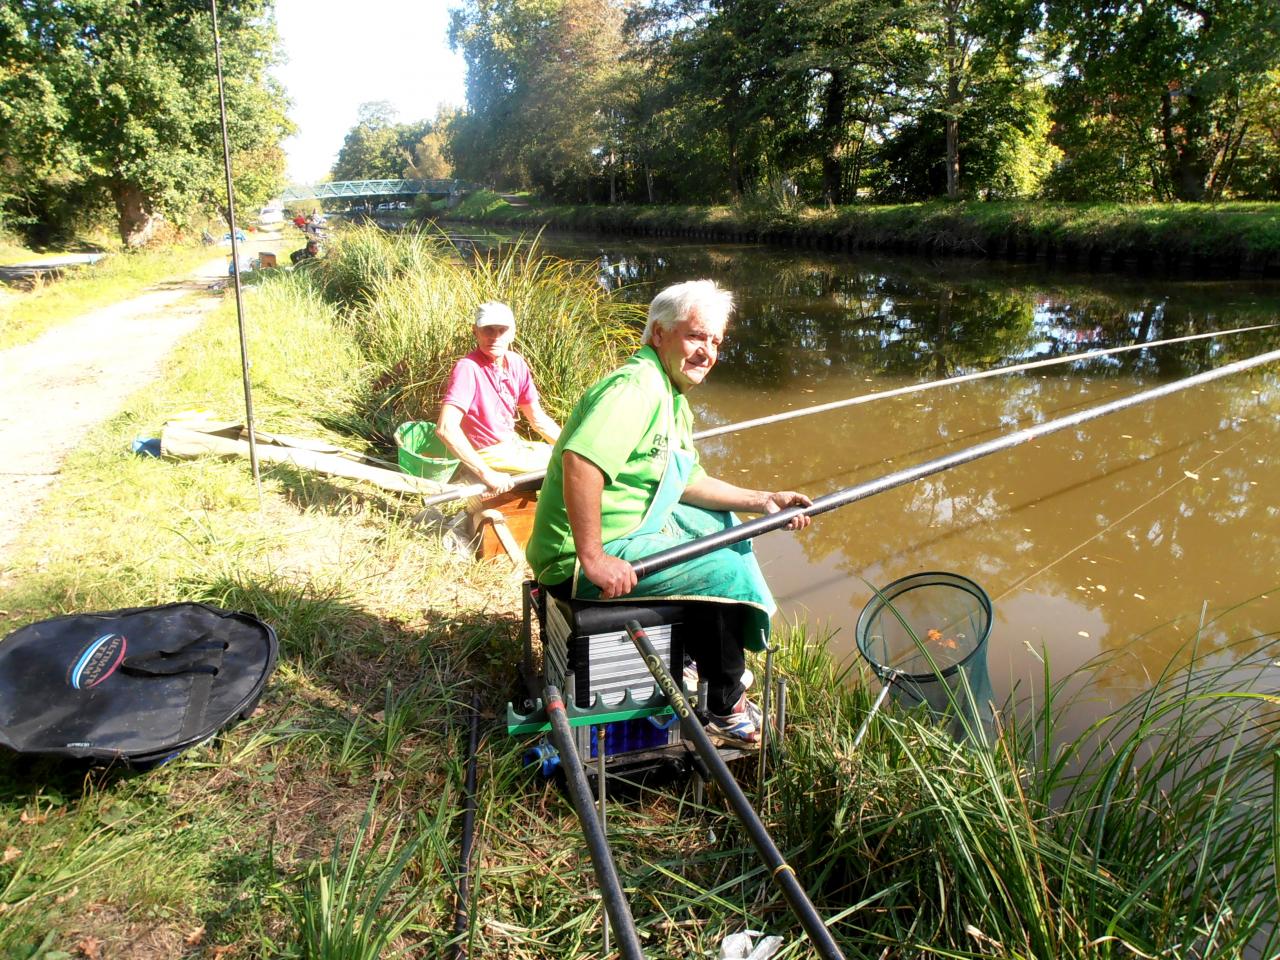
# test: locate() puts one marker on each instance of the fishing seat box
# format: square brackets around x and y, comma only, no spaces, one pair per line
[587,654]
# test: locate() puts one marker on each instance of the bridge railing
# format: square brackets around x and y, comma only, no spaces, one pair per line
[375,188]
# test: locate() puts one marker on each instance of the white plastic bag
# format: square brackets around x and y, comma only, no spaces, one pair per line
[738,946]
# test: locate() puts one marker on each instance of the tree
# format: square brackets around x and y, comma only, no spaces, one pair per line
[119,97]
[378,148]
[1173,78]
[539,73]
[1002,134]
[969,52]
[429,161]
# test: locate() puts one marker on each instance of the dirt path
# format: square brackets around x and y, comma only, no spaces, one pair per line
[76,375]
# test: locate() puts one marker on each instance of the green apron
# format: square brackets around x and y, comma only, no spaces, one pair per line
[728,575]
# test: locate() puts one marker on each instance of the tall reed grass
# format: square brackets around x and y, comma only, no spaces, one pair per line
[1153,833]
[409,301]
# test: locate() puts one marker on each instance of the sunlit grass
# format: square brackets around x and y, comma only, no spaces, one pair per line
[1154,834]
[24,315]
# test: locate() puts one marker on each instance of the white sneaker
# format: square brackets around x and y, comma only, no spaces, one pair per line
[742,724]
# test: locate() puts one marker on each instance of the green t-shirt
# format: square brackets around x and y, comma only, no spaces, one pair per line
[621,424]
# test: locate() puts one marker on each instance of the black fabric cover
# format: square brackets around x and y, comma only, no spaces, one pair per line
[135,685]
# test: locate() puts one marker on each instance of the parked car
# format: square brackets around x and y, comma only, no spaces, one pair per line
[271,215]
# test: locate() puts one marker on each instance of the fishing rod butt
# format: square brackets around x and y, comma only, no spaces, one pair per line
[781,871]
[620,920]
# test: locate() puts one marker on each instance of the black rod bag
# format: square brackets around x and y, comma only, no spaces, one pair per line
[137,685]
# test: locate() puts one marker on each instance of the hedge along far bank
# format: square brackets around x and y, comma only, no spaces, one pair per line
[1238,240]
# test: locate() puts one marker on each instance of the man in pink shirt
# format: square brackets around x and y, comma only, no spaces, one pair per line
[477,419]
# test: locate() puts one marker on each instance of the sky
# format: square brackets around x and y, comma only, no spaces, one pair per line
[343,55]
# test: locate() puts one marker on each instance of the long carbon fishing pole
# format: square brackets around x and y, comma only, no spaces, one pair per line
[235,258]
[840,498]
[475,490]
[461,915]
[962,378]
[615,901]
[781,872]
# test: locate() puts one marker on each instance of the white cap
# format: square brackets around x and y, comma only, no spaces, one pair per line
[494,314]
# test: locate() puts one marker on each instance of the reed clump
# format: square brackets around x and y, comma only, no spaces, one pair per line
[1153,833]
[409,301]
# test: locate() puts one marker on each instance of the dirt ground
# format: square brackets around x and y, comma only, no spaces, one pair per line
[58,387]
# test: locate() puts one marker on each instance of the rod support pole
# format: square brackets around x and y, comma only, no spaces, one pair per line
[235,258]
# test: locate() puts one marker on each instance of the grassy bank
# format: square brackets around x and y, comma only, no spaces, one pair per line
[25,314]
[340,798]
[1240,238]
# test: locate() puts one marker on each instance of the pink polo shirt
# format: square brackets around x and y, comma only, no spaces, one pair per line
[488,396]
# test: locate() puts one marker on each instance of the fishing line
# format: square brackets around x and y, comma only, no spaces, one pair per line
[476,489]
[1115,523]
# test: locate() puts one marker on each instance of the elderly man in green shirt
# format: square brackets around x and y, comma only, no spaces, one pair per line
[624,482]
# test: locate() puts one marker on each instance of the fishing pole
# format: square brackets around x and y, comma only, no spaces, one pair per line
[235,259]
[475,490]
[615,901]
[461,917]
[782,872]
[663,559]
[962,378]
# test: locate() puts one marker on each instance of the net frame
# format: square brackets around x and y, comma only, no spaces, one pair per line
[883,601]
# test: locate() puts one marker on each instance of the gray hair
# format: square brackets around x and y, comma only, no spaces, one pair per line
[676,303]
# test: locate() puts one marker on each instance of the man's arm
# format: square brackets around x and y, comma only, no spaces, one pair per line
[540,420]
[583,485]
[712,494]
[449,430]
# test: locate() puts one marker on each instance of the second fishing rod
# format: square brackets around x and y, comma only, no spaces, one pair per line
[519,480]
[693,549]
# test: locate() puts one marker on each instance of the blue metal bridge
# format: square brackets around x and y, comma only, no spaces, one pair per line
[361,189]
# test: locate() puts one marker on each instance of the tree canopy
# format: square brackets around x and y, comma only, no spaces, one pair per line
[837,100]
[113,104]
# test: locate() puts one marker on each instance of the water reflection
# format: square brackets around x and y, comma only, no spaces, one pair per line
[1114,537]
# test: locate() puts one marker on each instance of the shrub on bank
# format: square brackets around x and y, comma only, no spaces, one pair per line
[1234,233]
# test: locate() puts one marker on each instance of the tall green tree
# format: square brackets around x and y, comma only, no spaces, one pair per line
[1173,78]
[969,53]
[429,161]
[539,84]
[377,147]
[118,98]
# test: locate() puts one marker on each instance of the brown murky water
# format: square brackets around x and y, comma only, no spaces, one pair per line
[1113,539]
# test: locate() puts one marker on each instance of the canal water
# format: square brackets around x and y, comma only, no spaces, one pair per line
[1121,543]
